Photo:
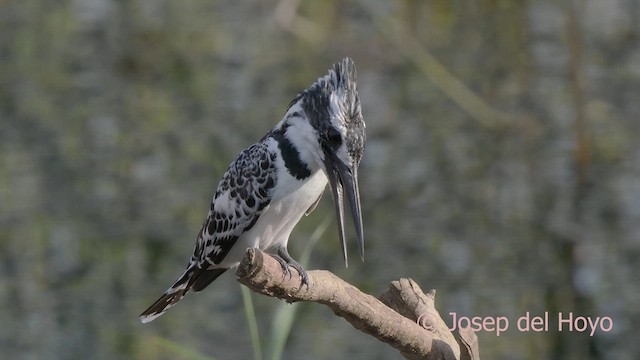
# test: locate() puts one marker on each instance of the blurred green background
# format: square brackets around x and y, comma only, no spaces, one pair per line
[502,167]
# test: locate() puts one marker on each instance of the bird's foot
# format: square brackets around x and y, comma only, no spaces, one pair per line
[285,266]
[287,262]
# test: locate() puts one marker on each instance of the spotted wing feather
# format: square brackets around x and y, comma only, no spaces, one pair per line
[241,197]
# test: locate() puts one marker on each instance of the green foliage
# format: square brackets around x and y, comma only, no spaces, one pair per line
[285,314]
[500,167]
[252,321]
[177,351]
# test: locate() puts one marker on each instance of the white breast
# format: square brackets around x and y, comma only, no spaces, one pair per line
[291,198]
[275,226]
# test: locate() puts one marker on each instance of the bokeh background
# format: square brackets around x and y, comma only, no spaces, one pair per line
[502,167]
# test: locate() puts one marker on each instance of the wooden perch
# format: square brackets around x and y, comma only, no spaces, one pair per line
[403,317]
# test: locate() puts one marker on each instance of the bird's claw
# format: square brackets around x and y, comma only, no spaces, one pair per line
[283,263]
[286,262]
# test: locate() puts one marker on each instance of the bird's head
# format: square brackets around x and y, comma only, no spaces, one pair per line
[331,112]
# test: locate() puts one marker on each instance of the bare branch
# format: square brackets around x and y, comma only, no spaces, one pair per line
[264,275]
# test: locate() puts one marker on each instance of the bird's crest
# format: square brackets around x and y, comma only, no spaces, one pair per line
[333,101]
[340,81]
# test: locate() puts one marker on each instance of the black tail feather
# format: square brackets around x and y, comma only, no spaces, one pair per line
[206,278]
[176,292]
[193,278]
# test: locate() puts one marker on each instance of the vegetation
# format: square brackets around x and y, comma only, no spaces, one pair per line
[501,168]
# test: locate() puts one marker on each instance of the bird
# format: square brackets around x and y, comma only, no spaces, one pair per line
[271,184]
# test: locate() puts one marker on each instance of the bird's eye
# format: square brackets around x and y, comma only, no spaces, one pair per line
[334,138]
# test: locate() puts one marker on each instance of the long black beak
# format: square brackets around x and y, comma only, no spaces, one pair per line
[340,177]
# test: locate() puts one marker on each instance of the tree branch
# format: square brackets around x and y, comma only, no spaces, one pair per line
[408,321]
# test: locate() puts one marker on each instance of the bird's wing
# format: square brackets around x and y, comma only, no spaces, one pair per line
[241,197]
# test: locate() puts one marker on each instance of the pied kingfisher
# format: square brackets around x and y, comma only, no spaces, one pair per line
[268,187]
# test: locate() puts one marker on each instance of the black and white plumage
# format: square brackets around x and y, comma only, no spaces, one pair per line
[271,184]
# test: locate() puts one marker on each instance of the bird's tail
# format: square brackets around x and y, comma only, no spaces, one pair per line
[176,292]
